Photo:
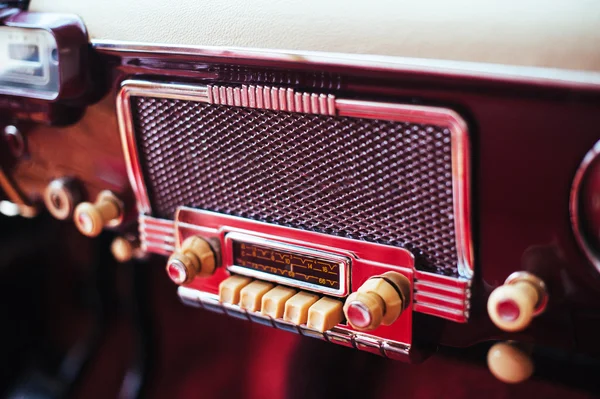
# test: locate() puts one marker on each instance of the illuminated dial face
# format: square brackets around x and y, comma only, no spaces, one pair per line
[289,264]
[28,62]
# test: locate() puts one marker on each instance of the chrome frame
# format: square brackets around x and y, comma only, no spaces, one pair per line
[350,108]
[574,200]
[343,264]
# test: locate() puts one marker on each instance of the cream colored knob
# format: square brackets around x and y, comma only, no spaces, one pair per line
[379,301]
[122,249]
[508,363]
[196,258]
[90,218]
[513,305]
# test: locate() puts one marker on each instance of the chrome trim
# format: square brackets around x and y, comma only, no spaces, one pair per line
[460,160]
[574,200]
[367,343]
[342,261]
[156,235]
[349,108]
[444,68]
[340,337]
[272,98]
[442,296]
[309,332]
[138,88]
[261,319]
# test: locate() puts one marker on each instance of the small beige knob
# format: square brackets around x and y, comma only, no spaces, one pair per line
[90,218]
[126,248]
[379,301]
[513,305]
[508,363]
[196,258]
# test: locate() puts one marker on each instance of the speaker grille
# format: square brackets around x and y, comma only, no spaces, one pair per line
[374,180]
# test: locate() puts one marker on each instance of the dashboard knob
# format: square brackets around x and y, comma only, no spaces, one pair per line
[195,258]
[107,211]
[512,306]
[379,301]
[508,363]
[126,248]
[60,197]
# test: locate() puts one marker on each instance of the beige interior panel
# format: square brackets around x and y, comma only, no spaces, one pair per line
[551,33]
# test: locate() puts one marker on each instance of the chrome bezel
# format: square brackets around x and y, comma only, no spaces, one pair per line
[592,255]
[343,107]
[343,264]
[45,87]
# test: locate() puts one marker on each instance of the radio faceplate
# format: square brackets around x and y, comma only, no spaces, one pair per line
[365,260]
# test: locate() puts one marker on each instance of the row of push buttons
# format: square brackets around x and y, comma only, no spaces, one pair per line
[279,302]
[338,335]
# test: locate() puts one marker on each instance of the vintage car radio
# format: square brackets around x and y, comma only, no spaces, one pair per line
[356,210]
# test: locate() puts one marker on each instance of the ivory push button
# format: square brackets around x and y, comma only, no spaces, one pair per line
[513,305]
[273,302]
[231,287]
[379,301]
[296,308]
[251,295]
[195,258]
[107,211]
[325,314]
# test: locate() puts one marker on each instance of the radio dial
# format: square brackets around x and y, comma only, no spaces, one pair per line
[196,258]
[379,301]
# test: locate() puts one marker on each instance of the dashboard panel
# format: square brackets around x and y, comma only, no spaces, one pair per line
[380,203]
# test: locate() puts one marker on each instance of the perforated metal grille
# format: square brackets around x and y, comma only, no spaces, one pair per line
[373,180]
